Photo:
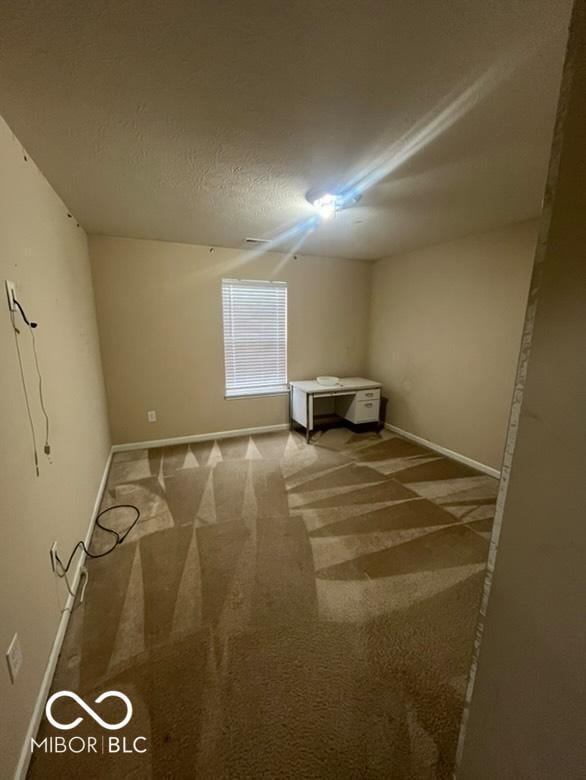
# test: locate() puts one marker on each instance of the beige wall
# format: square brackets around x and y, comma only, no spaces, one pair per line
[160,315]
[45,254]
[529,705]
[445,330]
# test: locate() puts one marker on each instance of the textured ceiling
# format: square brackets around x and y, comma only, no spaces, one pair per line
[206,121]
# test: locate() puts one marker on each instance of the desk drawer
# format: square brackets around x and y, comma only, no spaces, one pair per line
[366,411]
[362,411]
[368,395]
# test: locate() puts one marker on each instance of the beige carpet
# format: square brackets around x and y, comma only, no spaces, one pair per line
[281,610]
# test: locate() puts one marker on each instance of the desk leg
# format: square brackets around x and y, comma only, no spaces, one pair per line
[308,419]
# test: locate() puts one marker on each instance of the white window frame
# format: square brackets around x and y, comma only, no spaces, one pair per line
[235,330]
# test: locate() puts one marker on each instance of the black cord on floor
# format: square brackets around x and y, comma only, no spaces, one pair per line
[119,537]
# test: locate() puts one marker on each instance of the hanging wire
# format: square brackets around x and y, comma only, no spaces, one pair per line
[47,447]
[25,391]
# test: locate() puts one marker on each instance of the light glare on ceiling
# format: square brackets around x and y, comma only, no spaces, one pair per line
[326,206]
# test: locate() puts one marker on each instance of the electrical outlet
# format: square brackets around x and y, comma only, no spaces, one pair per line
[14,658]
[11,294]
[152,416]
[54,553]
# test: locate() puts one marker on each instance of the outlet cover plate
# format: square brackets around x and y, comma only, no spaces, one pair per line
[14,658]
[152,416]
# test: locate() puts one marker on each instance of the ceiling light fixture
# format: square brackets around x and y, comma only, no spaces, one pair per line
[326,206]
[326,203]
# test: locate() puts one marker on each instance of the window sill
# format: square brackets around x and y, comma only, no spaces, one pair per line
[258,392]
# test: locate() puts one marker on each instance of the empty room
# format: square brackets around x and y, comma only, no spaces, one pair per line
[292,393]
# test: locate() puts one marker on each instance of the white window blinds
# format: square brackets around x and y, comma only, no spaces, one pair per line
[255,336]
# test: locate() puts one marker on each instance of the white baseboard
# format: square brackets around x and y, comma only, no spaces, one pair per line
[445,451]
[25,753]
[143,445]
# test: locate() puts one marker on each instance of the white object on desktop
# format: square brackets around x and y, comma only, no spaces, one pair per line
[328,381]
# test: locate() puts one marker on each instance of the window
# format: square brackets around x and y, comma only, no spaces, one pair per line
[255,337]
